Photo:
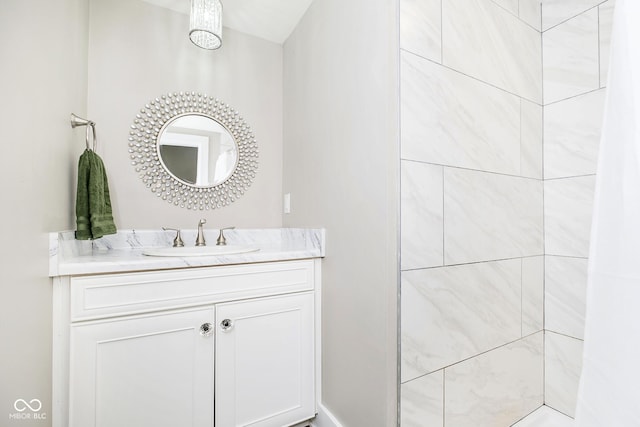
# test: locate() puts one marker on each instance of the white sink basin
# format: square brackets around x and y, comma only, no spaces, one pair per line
[190,251]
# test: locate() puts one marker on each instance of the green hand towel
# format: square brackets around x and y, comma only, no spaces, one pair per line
[94,217]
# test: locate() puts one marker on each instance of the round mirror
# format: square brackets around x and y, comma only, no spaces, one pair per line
[193,151]
[197,150]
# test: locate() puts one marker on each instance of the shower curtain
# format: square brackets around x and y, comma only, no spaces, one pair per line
[609,393]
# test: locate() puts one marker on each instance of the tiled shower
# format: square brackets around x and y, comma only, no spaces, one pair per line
[501,108]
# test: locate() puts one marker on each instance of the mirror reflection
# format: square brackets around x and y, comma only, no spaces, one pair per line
[197,150]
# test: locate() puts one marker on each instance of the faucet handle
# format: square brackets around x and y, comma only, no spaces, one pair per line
[200,238]
[177,242]
[221,239]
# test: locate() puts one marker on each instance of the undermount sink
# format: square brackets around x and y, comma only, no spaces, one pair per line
[191,251]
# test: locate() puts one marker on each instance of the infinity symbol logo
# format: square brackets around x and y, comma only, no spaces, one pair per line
[21,405]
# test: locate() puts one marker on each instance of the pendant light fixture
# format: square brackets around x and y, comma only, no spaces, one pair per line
[205,23]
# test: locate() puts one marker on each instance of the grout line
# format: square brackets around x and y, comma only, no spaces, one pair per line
[469,263]
[558,411]
[544,366]
[444,262]
[574,96]
[515,15]
[521,296]
[562,178]
[398,272]
[470,76]
[542,97]
[505,9]
[441,33]
[544,322]
[544,225]
[471,169]
[474,356]
[540,17]
[564,335]
[530,413]
[444,397]
[568,256]
[599,53]
[574,16]
[521,121]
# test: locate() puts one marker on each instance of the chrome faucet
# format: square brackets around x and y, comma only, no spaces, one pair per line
[200,239]
[177,242]
[222,241]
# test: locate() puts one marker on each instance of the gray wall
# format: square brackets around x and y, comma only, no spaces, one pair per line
[43,79]
[137,52]
[472,212]
[65,56]
[341,168]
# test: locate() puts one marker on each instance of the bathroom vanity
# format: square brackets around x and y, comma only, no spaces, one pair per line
[226,340]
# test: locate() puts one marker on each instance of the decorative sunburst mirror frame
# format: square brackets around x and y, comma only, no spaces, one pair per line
[146,131]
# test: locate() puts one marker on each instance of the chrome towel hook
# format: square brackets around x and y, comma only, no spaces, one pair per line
[78,121]
[91,130]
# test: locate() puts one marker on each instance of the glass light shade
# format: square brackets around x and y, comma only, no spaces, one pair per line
[205,25]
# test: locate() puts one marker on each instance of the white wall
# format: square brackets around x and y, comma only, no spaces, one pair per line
[341,168]
[43,79]
[137,52]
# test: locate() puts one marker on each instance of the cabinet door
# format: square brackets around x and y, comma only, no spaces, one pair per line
[154,371]
[265,362]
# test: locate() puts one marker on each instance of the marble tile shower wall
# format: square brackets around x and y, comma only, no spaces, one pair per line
[576,37]
[472,239]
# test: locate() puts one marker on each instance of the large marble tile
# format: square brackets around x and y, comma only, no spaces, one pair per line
[556,11]
[606,26]
[452,313]
[568,205]
[496,388]
[530,11]
[422,401]
[572,135]
[565,295]
[532,295]
[571,64]
[421,219]
[531,140]
[421,28]
[489,216]
[483,40]
[563,363]
[451,119]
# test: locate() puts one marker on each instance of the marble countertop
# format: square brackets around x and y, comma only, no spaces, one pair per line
[123,252]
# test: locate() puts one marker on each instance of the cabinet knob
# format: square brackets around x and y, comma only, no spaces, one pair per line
[226,325]
[206,329]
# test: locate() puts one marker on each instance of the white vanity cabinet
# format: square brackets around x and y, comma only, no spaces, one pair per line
[223,346]
[264,361]
[154,370]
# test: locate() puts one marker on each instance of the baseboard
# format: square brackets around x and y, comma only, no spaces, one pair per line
[325,418]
